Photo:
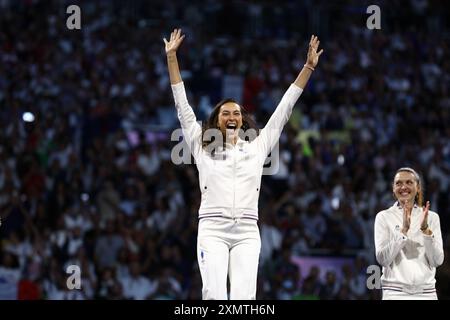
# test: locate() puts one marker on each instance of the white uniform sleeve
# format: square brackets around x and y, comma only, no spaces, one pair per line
[434,250]
[387,246]
[269,135]
[192,130]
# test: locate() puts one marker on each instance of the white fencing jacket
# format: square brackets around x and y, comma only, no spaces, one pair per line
[230,181]
[409,262]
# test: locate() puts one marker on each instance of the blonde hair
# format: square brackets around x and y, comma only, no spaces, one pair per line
[419,195]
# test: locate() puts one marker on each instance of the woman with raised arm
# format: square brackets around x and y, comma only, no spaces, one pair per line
[230,167]
[408,242]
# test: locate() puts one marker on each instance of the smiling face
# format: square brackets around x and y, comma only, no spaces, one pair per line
[230,117]
[405,187]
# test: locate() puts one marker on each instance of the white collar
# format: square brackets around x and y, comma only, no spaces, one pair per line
[398,205]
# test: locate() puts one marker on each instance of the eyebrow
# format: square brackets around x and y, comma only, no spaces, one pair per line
[401,180]
[227,111]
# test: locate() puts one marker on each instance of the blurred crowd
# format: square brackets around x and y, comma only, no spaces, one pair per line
[87,178]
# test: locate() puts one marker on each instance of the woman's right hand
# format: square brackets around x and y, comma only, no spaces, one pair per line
[175,40]
[407,210]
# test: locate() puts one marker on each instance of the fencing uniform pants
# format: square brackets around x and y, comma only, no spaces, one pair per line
[228,247]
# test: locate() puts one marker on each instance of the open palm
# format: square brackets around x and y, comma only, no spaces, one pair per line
[175,40]
[424,223]
[313,55]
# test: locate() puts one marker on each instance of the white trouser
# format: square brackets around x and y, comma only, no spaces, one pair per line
[228,247]
[399,295]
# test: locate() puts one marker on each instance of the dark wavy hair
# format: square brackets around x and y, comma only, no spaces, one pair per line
[211,122]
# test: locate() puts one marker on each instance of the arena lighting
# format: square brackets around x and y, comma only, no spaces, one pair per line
[84,197]
[335,203]
[28,117]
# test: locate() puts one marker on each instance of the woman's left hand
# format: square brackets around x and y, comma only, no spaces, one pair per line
[424,225]
[313,55]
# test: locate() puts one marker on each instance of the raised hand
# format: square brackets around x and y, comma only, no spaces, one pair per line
[313,55]
[175,40]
